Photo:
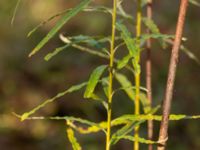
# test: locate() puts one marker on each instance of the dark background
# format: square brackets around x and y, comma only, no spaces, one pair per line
[26,82]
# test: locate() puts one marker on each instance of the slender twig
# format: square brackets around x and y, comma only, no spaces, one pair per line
[110,88]
[171,75]
[148,74]
[137,74]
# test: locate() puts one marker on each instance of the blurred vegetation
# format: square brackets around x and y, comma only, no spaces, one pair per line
[25,82]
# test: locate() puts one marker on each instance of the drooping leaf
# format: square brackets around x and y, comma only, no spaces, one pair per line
[88,130]
[70,90]
[123,62]
[195,2]
[105,83]
[59,24]
[140,140]
[15,11]
[125,83]
[190,54]
[151,25]
[94,79]
[119,134]
[73,140]
[83,48]
[129,41]
[55,52]
[160,36]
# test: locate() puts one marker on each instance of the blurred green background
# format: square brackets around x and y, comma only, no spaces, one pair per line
[26,82]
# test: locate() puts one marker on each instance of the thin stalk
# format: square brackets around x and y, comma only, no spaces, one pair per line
[163,136]
[110,88]
[137,73]
[149,74]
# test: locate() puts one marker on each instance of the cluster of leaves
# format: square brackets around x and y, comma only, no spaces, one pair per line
[127,122]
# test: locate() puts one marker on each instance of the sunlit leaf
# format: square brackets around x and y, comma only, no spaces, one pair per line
[140,140]
[73,140]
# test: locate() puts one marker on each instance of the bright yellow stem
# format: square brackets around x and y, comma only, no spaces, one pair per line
[110,89]
[137,74]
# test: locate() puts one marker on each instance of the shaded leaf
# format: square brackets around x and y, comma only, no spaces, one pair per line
[119,134]
[195,2]
[55,52]
[123,62]
[59,24]
[15,11]
[94,79]
[70,90]
[129,41]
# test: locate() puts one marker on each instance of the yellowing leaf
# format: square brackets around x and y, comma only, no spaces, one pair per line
[73,140]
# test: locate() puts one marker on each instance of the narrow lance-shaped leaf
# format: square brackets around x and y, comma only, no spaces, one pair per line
[123,131]
[126,84]
[70,90]
[129,41]
[55,52]
[59,24]
[123,62]
[141,140]
[150,24]
[94,79]
[15,11]
[73,140]
[195,2]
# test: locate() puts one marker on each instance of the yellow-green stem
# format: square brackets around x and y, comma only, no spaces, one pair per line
[110,89]
[137,74]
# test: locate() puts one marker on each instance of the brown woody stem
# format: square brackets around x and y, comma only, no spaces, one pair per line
[148,74]
[171,76]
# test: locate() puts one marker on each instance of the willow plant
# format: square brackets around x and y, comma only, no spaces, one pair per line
[105,75]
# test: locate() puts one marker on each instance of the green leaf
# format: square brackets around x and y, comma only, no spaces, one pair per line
[190,54]
[70,90]
[151,25]
[55,52]
[94,79]
[119,134]
[145,103]
[105,82]
[141,140]
[122,79]
[73,140]
[156,36]
[15,11]
[194,2]
[123,62]
[129,41]
[59,24]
